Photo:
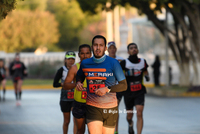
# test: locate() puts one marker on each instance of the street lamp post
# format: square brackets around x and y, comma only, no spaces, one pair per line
[166,49]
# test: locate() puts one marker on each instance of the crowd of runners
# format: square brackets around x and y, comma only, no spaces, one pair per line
[93,88]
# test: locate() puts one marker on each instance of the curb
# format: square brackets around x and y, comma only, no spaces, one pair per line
[33,87]
[27,87]
[171,93]
[190,94]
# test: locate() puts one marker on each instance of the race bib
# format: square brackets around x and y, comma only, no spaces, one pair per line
[84,95]
[135,86]
[17,78]
[17,65]
[70,95]
[96,84]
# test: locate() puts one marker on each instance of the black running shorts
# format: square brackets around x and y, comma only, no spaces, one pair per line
[79,110]
[119,95]
[15,79]
[130,101]
[66,106]
[107,115]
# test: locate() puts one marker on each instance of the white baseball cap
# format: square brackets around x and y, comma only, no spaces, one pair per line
[111,43]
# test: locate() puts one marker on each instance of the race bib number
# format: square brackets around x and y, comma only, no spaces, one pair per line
[17,78]
[17,65]
[135,86]
[84,95]
[70,95]
[96,84]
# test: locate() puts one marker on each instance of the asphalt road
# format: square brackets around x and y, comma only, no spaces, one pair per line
[40,113]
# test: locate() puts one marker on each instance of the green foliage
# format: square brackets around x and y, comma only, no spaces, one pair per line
[92,6]
[31,5]
[28,28]
[71,21]
[6,6]
[43,69]
[31,30]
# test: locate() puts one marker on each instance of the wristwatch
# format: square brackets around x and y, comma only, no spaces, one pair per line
[109,88]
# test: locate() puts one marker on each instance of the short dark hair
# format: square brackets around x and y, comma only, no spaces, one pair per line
[131,44]
[82,46]
[2,60]
[99,36]
[17,54]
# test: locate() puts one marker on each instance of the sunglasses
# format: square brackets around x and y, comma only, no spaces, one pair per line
[71,53]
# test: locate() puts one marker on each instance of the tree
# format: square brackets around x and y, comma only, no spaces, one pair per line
[183,36]
[91,29]
[71,21]
[6,6]
[32,5]
[28,30]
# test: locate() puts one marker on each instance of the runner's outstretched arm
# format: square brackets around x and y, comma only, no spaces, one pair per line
[146,75]
[122,86]
[57,78]
[80,77]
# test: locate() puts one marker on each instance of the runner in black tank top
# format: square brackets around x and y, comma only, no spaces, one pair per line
[135,68]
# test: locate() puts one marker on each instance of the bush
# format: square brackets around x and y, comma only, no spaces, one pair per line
[44,69]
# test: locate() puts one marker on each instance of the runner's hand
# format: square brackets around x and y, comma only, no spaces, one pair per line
[25,72]
[101,91]
[79,86]
[13,68]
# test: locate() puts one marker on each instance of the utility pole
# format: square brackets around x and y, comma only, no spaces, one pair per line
[166,49]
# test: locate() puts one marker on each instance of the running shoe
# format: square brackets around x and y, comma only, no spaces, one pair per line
[130,130]
[18,103]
